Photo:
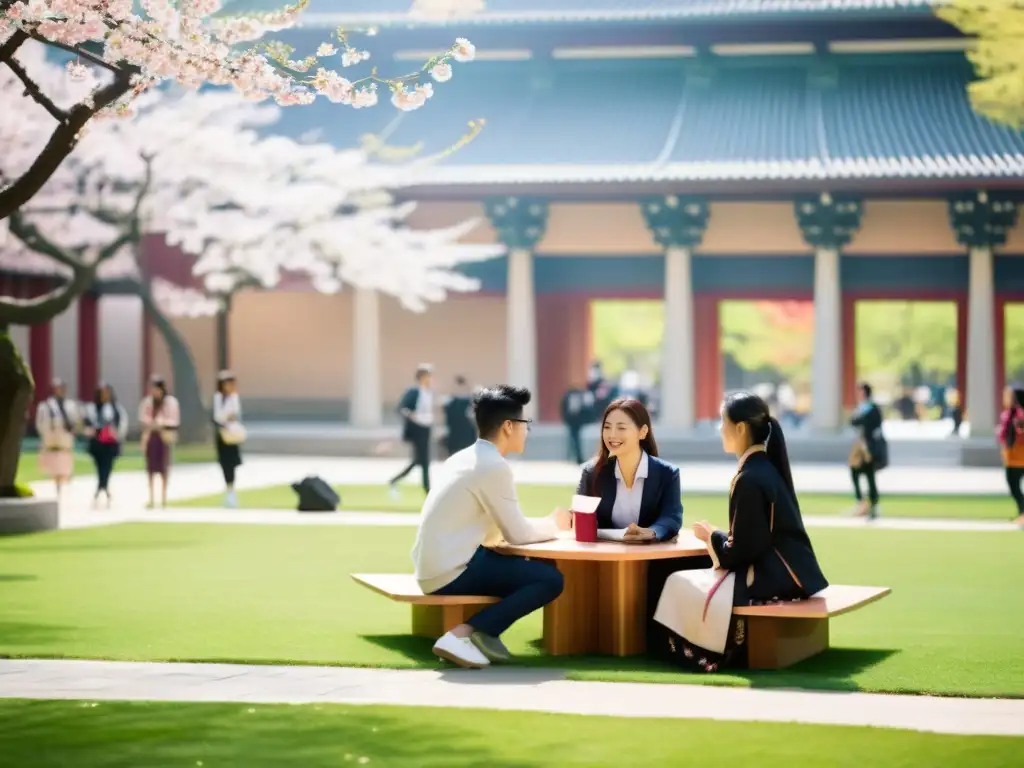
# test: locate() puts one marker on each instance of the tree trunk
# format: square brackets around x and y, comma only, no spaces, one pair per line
[16,391]
[195,421]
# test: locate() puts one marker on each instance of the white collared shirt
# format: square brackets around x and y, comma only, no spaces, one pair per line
[425,408]
[626,509]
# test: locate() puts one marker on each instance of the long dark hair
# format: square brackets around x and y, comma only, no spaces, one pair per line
[640,416]
[1018,396]
[747,408]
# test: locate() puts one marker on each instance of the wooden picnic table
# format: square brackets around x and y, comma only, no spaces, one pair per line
[603,608]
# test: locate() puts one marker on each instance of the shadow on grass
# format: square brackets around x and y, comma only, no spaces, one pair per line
[9,577]
[14,633]
[833,670]
[48,734]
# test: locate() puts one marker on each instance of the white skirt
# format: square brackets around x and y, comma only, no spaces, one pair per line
[697,605]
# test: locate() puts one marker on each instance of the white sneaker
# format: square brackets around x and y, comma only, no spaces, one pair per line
[460,651]
[394,493]
[231,500]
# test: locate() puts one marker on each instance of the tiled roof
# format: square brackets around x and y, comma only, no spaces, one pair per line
[586,121]
[569,11]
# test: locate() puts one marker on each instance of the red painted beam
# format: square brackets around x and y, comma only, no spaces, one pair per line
[88,345]
[40,343]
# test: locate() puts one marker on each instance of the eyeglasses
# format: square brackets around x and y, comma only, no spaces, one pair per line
[527,422]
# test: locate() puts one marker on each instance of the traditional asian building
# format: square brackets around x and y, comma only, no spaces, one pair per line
[694,152]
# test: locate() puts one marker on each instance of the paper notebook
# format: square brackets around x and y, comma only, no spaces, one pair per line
[611,534]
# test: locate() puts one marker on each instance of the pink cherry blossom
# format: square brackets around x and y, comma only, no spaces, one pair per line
[441,72]
[463,50]
[189,43]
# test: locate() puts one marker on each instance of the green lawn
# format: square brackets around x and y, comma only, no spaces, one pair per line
[541,499]
[282,594]
[52,734]
[131,459]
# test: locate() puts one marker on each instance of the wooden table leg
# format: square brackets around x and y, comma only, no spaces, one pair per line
[622,608]
[571,621]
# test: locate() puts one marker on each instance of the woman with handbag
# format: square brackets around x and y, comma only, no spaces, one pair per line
[56,423]
[160,417]
[106,425]
[870,454]
[227,416]
[765,557]
[1011,440]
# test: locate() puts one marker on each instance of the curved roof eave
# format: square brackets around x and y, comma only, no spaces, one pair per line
[738,11]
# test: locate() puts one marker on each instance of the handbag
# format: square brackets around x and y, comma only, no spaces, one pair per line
[169,435]
[107,436]
[232,434]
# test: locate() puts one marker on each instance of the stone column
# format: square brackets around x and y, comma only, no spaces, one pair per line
[981,221]
[365,409]
[520,224]
[827,224]
[677,225]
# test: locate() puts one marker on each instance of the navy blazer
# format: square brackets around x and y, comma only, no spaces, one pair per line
[661,506]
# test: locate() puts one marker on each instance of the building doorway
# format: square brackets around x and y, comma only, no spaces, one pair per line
[766,348]
[907,351]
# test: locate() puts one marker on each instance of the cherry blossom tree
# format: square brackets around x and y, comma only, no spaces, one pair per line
[124,48]
[252,209]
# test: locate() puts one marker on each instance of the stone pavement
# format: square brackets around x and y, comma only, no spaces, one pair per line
[497,689]
[189,481]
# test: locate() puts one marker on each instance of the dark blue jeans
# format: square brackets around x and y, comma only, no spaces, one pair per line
[524,586]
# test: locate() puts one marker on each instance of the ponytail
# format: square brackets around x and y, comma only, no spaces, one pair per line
[775,447]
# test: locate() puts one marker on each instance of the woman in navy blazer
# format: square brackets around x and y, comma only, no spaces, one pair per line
[639,492]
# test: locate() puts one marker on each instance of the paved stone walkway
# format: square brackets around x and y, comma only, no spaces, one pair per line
[188,481]
[498,689]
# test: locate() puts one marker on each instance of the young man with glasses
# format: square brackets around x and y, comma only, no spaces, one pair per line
[472,508]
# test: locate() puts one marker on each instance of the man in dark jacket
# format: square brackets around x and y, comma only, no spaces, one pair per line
[458,418]
[577,410]
[417,411]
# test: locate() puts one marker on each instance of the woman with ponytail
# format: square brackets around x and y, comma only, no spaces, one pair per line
[766,555]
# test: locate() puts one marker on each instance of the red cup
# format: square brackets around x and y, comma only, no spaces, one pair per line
[585,524]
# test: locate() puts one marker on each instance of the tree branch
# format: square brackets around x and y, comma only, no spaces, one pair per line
[48,306]
[30,235]
[33,90]
[62,142]
[12,44]
[82,51]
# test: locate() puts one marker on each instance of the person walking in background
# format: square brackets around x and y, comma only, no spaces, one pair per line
[417,410]
[458,417]
[1011,440]
[57,423]
[955,410]
[160,417]
[577,410]
[870,453]
[106,426]
[227,416]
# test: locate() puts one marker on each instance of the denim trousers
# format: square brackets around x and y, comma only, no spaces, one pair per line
[523,586]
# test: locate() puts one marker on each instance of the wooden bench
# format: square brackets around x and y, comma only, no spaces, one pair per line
[779,636]
[432,615]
